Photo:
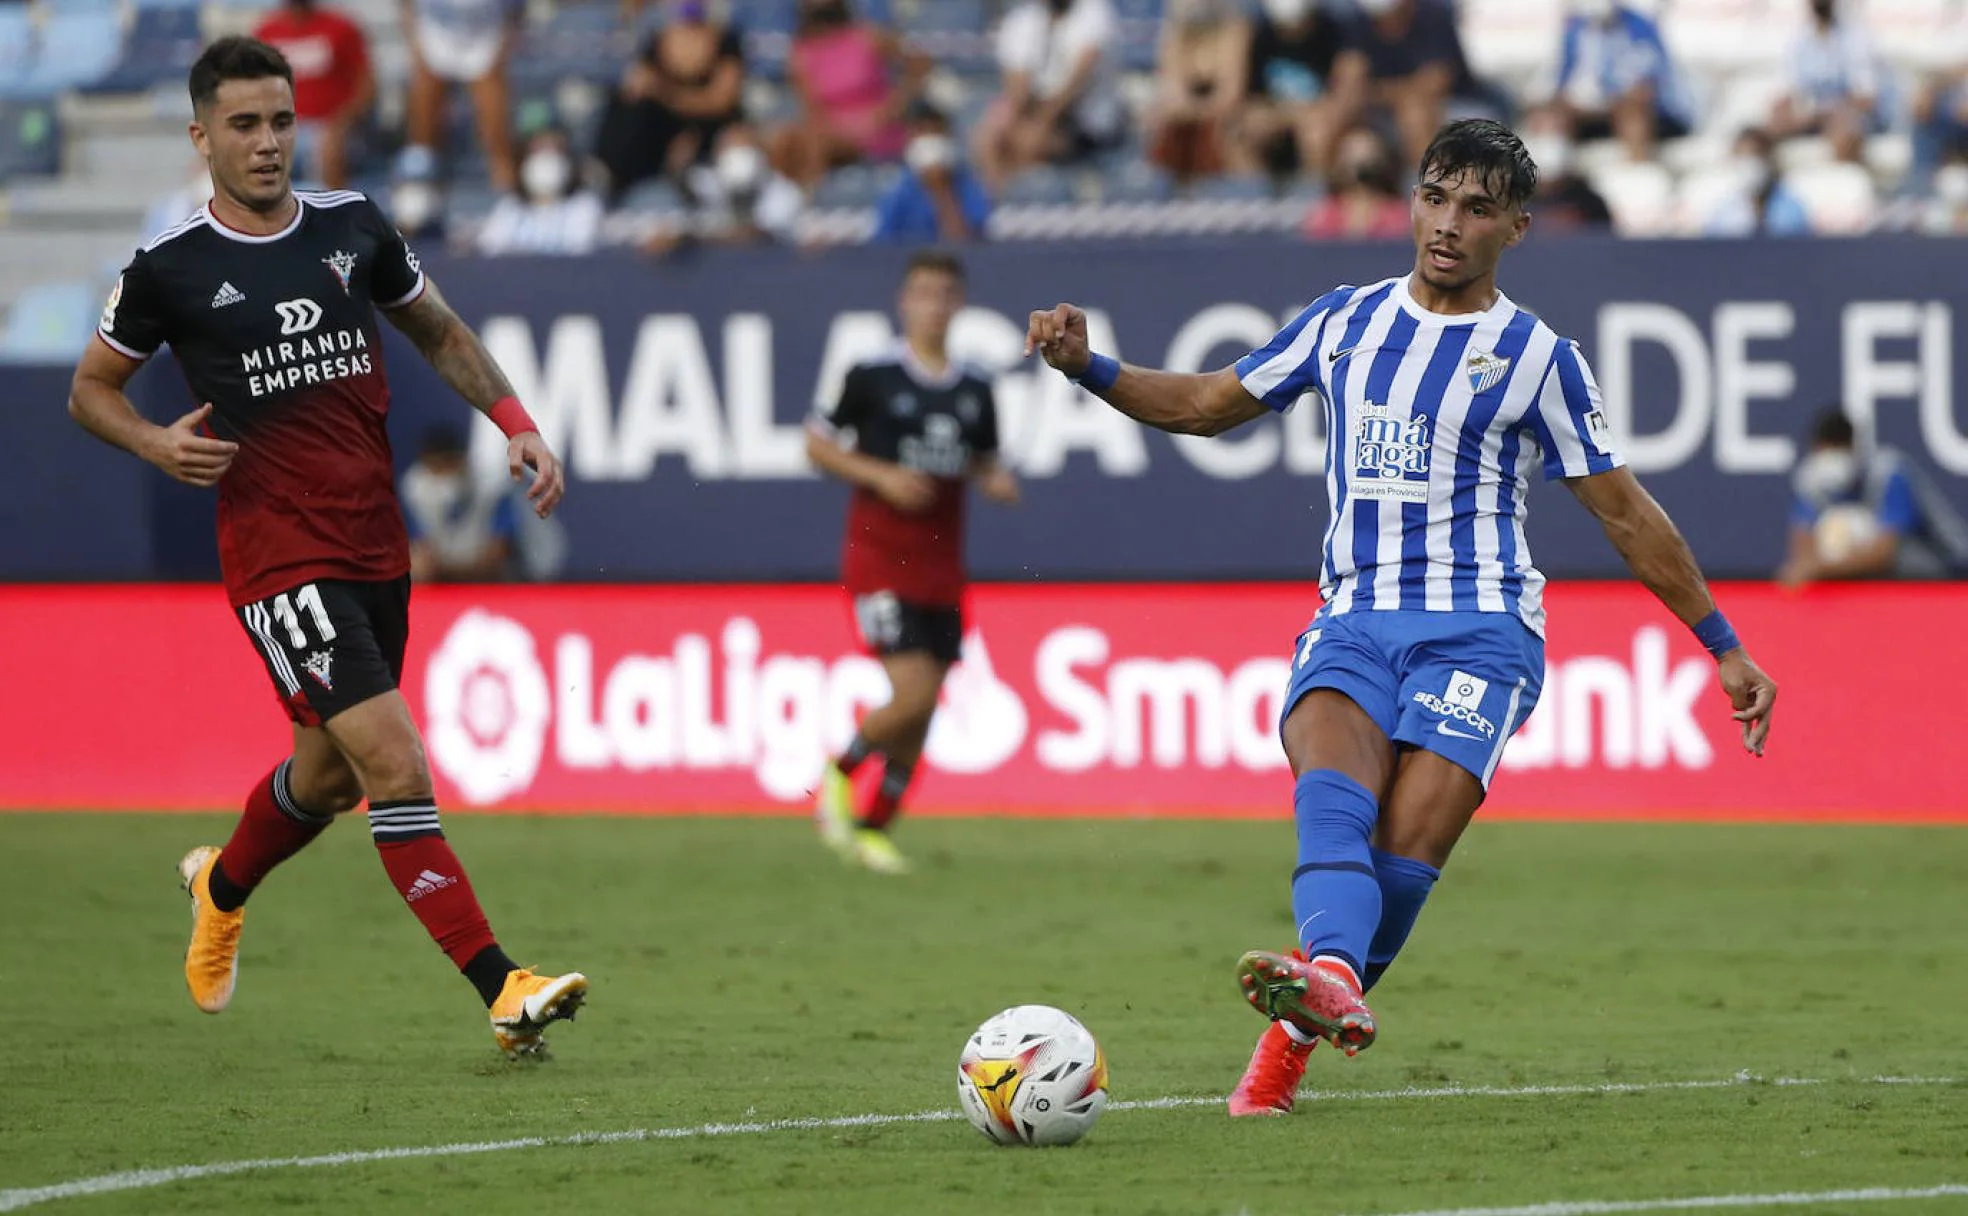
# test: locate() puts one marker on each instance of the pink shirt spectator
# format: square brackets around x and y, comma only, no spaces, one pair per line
[847,79]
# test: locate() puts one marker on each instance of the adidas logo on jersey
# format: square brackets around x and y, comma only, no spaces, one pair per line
[428,883]
[228,294]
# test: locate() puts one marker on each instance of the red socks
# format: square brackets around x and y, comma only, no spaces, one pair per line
[430,879]
[272,829]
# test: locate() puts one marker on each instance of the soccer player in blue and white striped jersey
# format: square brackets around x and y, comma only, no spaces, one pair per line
[1442,398]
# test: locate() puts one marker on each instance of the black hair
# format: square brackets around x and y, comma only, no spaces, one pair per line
[235,58]
[443,439]
[1834,430]
[940,260]
[1488,149]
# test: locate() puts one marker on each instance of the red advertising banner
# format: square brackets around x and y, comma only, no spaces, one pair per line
[1072,699]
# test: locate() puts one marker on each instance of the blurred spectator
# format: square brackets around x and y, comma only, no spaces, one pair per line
[460,531]
[854,81]
[1565,201]
[1762,205]
[1200,76]
[737,199]
[937,199]
[1835,84]
[1615,78]
[334,89]
[1940,121]
[553,214]
[1947,212]
[1363,199]
[178,205]
[685,87]
[463,42]
[1061,99]
[1284,126]
[1402,60]
[416,203]
[1867,514]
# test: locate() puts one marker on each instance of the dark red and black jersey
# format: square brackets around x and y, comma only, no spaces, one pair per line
[279,333]
[935,425]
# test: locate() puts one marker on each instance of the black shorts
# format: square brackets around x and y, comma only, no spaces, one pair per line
[893,626]
[331,644]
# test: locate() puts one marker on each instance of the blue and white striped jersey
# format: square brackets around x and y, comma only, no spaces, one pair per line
[1433,426]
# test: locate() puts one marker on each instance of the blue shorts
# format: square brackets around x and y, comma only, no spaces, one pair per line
[1454,683]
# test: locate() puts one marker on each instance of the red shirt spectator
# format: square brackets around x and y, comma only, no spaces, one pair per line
[329,55]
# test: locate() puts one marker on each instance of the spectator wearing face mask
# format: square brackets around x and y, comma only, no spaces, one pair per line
[1199,83]
[1867,514]
[937,200]
[854,81]
[416,202]
[1285,124]
[1616,78]
[1564,201]
[1761,205]
[1947,213]
[552,215]
[460,532]
[1940,116]
[1363,199]
[1835,83]
[1061,100]
[737,199]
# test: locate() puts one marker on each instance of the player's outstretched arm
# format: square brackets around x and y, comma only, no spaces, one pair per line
[457,354]
[96,400]
[1654,550]
[1205,403]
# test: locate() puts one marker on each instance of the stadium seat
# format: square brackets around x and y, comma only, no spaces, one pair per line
[1041,185]
[30,139]
[1919,35]
[77,48]
[17,41]
[1512,40]
[854,186]
[1702,196]
[163,44]
[50,323]
[1135,181]
[1640,196]
[654,196]
[1840,198]
[1236,188]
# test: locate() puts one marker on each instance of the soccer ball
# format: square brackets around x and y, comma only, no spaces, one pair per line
[1844,530]
[1032,1075]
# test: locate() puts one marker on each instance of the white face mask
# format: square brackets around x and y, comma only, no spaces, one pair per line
[544,175]
[1829,475]
[1752,171]
[1288,12]
[414,204]
[1951,185]
[741,168]
[927,152]
[1550,151]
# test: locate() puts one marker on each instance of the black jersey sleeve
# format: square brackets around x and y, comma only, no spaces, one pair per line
[851,408]
[397,278]
[134,322]
[986,442]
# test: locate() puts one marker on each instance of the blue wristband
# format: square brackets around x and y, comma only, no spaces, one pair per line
[1715,632]
[1100,374]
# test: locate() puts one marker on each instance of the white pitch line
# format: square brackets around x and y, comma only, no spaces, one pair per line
[135,1180]
[1610,1207]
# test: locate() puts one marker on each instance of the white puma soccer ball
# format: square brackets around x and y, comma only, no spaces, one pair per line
[1032,1075]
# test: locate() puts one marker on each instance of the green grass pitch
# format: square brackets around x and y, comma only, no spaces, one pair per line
[742,975]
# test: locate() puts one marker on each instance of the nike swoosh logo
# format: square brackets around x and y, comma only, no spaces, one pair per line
[1337,355]
[1442,728]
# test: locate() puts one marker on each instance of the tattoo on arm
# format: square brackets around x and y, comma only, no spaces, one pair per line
[452,348]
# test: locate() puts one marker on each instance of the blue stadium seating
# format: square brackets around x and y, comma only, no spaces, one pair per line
[77,48]
[1239,189]
[1136,182]
[1041,185]
[50,323]
[163,43]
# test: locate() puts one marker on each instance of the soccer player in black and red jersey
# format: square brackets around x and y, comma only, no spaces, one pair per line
[911,429]
[269,300]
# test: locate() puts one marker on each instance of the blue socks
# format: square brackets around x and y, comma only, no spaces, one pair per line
[1404,887]
[1336,896]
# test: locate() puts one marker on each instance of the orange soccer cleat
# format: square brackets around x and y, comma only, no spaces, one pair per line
[528,1002]
[1270,1083]
[1321,997]
[212,958]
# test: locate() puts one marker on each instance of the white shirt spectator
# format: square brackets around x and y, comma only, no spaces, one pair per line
[569,226]
[740,185]
[1033,40]
[460,39]
[1830,66]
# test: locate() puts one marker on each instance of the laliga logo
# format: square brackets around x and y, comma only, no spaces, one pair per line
[487,707]
[980,720]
